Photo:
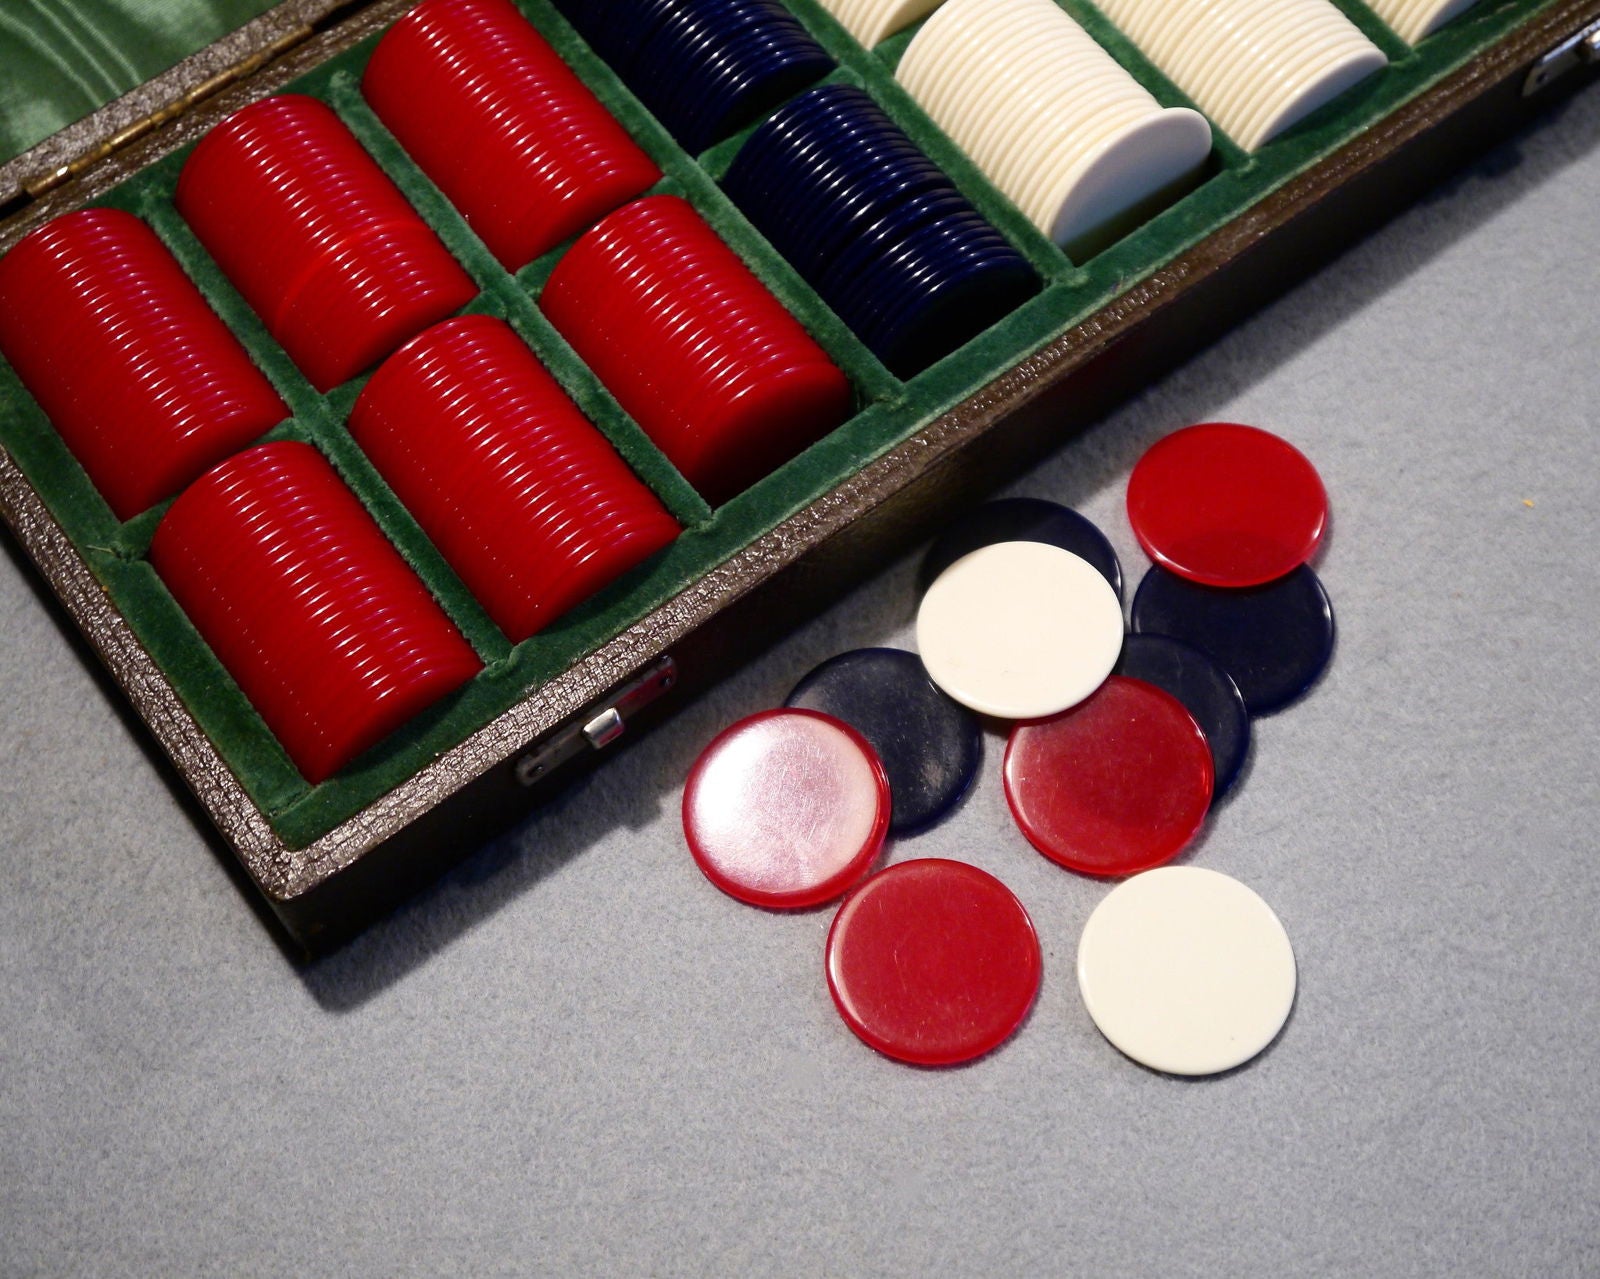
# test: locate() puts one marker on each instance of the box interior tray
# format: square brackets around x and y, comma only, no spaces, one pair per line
[889,410]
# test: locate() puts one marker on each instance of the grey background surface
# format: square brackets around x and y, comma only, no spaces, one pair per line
[575,1056]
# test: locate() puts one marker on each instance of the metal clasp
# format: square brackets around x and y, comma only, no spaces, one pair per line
[598,729]
[1571,53]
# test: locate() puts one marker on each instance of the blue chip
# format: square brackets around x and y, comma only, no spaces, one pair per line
[1023,519]
[1204,688]
[930,746]
[676,49]
[835,127]
[824,164]
[793,175]
[898,253]
[617,29]
[764,71]
[843,185]
[715,65]
[1274,639]
[957,286]
[878,272]
[762,182]
[885,283]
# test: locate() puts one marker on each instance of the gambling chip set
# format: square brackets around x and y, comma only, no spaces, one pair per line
[1120,745]
[391,396]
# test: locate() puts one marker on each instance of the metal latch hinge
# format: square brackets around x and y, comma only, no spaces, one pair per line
[1573,52]
[597,729]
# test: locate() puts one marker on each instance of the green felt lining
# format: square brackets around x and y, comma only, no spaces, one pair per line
[889,410]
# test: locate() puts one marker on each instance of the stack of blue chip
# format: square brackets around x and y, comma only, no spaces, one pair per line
[876,228]
[704,68]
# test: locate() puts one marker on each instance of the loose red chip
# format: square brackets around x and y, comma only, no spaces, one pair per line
[1227,505]
[786,809]
[933,962]
[1118,784]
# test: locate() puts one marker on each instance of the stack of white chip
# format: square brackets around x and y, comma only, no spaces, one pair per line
[1411,20]
[1051,118]
[1255,67]
[870,21]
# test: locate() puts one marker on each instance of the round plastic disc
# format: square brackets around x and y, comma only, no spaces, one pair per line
[1114,786]
[1206,691]
[1089,206]
[1022,519]
[1274,640]
[933,962]
[1227,505]
[930,746]
[786,808]
[1186,970]
[1020,630]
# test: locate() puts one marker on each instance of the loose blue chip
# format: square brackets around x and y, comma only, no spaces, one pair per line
[930,746]
[1274,639]
[1023,519]
[1207,692]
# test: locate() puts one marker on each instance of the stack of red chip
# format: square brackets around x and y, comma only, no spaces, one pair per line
[492,114]
[331,635]
[316,237]
[723,379]
[139,376]
[524,497]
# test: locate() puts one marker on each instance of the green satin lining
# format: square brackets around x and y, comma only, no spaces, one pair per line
[62,59]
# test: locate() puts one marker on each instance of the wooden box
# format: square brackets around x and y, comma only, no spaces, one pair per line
[331,857]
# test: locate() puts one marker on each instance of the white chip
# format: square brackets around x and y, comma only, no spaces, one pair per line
[1254,67]
[1020,630]
[1412,20]
[1104,194]
[1186,970]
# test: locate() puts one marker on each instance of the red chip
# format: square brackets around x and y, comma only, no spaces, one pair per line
[1118,784]
[786,809]
[506,129]
[933,962]
[524,497]
[726,382]
[137,373]
[312,232]
[329,632]
[1227,505]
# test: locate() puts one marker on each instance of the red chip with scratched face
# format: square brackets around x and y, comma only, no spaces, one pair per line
[786,808]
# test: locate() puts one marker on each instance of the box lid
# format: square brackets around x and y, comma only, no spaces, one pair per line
[80,79]
[65,59]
